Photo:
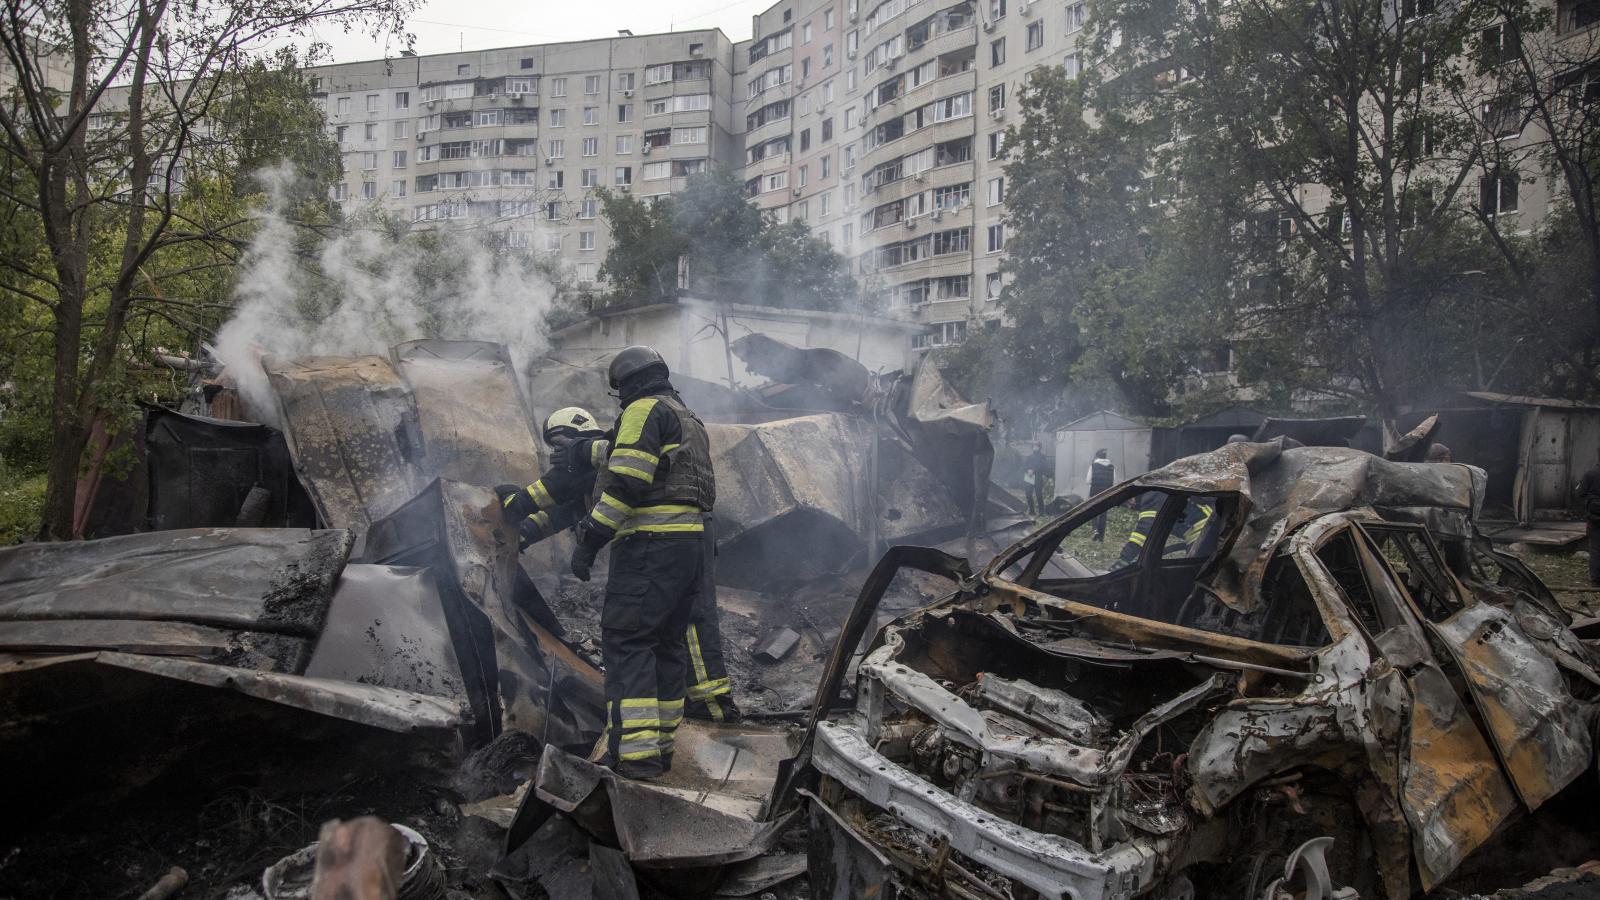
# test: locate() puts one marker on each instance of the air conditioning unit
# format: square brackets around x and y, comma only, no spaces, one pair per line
[889,64]
[1027,9]
[431,104]
[625,188]
[855,15]
[549,160]
[938,215]
[988,28]
[422,136]
[920,176]
[516,96]
[644,149]
[797,192]
[628,92]
[911,224]
[997,114]
[850,54]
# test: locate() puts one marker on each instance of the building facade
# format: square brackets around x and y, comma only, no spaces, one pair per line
[520,138]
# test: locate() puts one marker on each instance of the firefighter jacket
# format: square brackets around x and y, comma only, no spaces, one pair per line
[658,479]
[560,497]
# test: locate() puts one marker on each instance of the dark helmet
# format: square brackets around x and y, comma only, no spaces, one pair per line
[633,360]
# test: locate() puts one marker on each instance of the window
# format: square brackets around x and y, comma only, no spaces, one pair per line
[589,178]
[400,129]
[343,106]
[805,139]
[991,286]
[997,139]
[458,91]
[488,117]
[802,211]
[997,193]
[342,133]
[997,238]
[625,81]
[625,112]
[1035,35]
[659,137]
[588,208]
[552,242]
[557,180]
[658,74]
[369,190]
[372,103]
[552,213]
[849,117]
[519,86]
[997,97]
[1077,17]
[777,181]
[585,240]
[805,33]
[997,10]
[623,175]
[827,167]
[956,240]
[591,115]
[463,69]
[1502,116]
[624,143]
[1581,85]
[526,62]
[558,118]
[827,55]
[341,192]
[805,175]
[370,131]
[655,171]
[555,149]
[997,52]
[659,107]
[402,99]
[591,84]
[369,161]
[1497,192]
[940,335]
[951,197]
[558,87]
[397,188]
[1572,15]
[849,158]
[591,146]
[399,161]
[823,202]
[805,68]
[1072,65]
[846,234]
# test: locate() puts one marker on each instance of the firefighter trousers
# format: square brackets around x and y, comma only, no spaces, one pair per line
[710,691]
[650,595]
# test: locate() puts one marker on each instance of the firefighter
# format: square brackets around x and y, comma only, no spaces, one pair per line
[656,494]
[559,500]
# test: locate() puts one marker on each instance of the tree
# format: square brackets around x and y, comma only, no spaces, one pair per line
[102,156]
[730,251]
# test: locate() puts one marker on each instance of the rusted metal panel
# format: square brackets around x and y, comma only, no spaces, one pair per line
[475,424]
[352,430]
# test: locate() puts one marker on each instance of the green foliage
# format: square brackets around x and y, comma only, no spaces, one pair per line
[1290,184]
[21,505]
[732,251]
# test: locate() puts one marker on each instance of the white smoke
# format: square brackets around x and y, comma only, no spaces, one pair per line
[360,290]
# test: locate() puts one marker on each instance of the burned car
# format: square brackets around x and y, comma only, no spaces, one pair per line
[1269,646]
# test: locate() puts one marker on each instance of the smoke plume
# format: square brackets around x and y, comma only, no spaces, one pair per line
[358,290]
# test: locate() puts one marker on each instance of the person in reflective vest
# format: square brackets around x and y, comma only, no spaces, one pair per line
[655,496]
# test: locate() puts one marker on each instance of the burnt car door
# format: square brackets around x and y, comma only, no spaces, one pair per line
[1452,789]
[1538,728]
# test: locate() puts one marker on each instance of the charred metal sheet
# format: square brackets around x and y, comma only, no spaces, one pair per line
[514,668]
[844,865]
[795,502]
[201,470]
[475,424]
[707,811]
[842,381]
[247,596]
[386,626]
[352,430]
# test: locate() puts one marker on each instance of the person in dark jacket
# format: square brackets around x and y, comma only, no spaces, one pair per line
[1102,475]
[1588,493]
[1033,477]
[656,495]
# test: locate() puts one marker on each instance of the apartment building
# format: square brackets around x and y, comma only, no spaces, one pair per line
[520,138]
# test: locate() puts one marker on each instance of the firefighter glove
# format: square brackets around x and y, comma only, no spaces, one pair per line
[583,560]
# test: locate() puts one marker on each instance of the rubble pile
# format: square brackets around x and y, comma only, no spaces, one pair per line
[1303,664]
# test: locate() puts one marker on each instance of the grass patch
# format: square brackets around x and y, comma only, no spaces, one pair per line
[21,508]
